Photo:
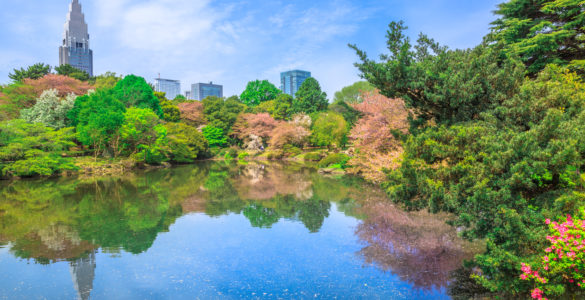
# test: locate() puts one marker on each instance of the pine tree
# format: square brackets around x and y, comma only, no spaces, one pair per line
[309,98]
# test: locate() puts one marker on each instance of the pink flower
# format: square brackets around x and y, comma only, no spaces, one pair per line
[536,293]
[547,221]
[523,277]
[546,258]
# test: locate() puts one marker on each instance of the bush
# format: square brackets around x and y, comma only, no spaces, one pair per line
[329,130]
[290,150]
[214,136]
[143,136]
[185,143]
[231,153]
[171,112]
[334,159]
[313,156]
[243,155]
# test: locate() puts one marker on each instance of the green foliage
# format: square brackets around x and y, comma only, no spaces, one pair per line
[329,130]
[143,136]
[69,70]
[171,112]
[259,91]
[134,91]
[33,149]
[243,155]
[340,159]
[50,110]
[35,71]
[279,108]
[97,117]
[214,136]
[185,142]
[179,98]
[542,32]
[445,86]
[107,80]
[222,113]
[231,154]
[350,114]
[290,150]
[353,94]
[313,156]
[309,98]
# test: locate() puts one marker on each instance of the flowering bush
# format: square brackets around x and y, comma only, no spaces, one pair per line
[561,268]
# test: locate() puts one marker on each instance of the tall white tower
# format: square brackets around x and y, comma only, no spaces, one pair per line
[75,49]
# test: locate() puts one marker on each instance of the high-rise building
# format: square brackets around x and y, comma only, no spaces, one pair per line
[188,95]
[291,81]
[172,88]
[200,91]
[75,49]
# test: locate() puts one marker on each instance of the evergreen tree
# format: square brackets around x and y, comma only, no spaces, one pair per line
[309,98]
[541,32]
[134,91]
[35,71]
[69,70]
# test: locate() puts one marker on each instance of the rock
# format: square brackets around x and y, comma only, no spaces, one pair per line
[331,171]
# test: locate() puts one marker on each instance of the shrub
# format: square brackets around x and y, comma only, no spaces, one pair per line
[143,137]
[231,153]
[329,130]
[313,156]
[290,150]
[50,110]
[171,112]
[185,143]
[334,159]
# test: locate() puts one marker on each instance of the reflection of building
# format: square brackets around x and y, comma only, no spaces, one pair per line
[291,81]
[172,88]
[200,91]
[83,273]
[75,49]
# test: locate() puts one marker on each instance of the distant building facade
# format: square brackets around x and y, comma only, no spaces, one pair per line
[75,50]
[291,81]
[172,88]
[188,94]
[200,91]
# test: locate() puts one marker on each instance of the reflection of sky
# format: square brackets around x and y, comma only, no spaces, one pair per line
[225,258]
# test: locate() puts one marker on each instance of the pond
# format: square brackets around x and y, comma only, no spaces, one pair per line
[219,231]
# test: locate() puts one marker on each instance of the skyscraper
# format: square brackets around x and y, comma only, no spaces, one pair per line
[200,91]
[291,81]
[172,88]
[75,49]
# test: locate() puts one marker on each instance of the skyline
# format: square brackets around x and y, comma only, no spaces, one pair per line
[233,42]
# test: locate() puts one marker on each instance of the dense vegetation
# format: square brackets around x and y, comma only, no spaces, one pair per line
[496,137]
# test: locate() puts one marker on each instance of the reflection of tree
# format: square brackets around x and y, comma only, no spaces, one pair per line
[418,247]
[265,181]
[260,216]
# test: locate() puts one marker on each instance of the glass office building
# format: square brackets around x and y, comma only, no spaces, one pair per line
[75,49]
[291,81]
[200,91]
[172,88]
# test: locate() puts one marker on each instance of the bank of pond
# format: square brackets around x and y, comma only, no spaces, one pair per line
[222,230]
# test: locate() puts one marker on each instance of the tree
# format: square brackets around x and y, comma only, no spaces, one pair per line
[542,32]
[107,80]
[70,71]
[214,136]
[309,98]
[329,129]
[142,136]
[185,142]
[97,117]
[222,113]
[279,108]
[180,98]
[353,94]
[171,111]
[439,84]
[288,133]
[350,114]
[50,110]
[192,113]
[260,125]
[377,147]
[258,91]
[35,71]
[134,91]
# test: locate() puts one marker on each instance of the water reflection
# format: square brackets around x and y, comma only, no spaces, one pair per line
[72,219]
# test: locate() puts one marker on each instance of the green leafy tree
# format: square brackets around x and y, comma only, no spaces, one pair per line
[309,98]
[445,86]
[134,91]
[33,149]
[69,70]
[214,136]
[350,114]
[353,94]
[542,32]
[329,130]
[50,110]
[171,112]
[97,117]
[185,142]
[35,71]
[222,113]
[279,108]
[142,136]
[259,91]
[180,98]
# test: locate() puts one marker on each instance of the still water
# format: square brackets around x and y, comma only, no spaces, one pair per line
[219,231]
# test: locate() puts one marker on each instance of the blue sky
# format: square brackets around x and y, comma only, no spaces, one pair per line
[231,42]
